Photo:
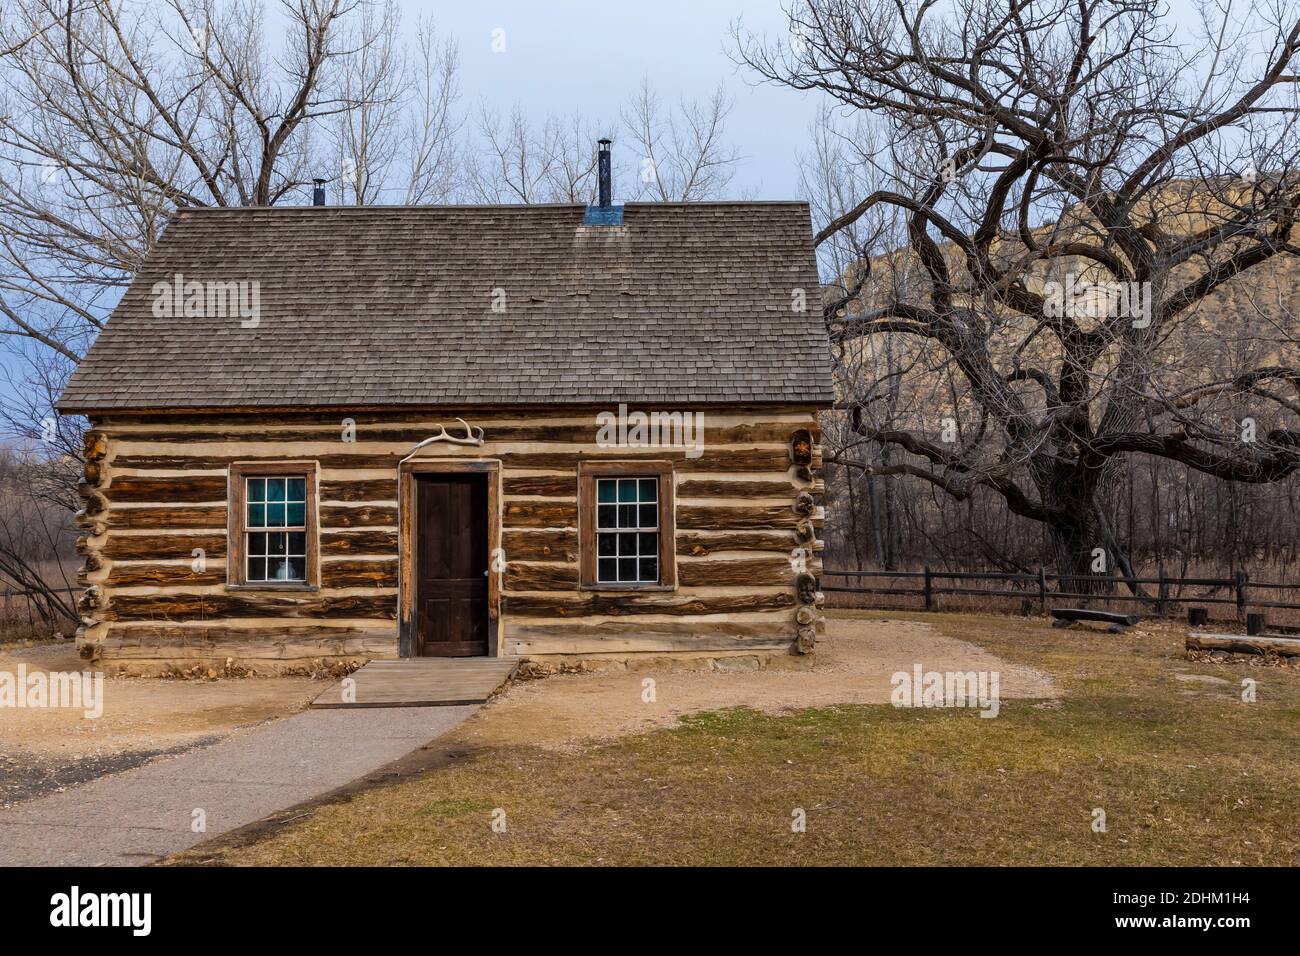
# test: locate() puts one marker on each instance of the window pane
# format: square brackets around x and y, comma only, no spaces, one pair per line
[649,489]
[256,515]
[649,516]
[297,542]
[257,543]
[275,544]
[650,570]
[606,490]
[627,490]
[607,569]
[275,516]
[649,544]
[296,515]
[298,569]
[607,545]
[627,569]
[627,516]
[275,489]
[256,569]
[627,545]
[297,489]
[256,489]
[606,516]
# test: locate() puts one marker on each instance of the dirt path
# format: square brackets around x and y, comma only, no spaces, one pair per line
[47,749]
[853,665]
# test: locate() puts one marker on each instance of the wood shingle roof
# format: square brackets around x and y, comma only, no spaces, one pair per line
[464,305]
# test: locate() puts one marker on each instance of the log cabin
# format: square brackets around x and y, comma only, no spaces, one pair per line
[555,432]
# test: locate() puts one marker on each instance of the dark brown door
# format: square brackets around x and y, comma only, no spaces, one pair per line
[451,566]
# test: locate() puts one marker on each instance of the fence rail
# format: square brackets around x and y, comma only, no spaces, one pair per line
[8,592]
[1044,586]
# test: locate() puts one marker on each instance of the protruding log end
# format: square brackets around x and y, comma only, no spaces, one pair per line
[95,445]
[807,638]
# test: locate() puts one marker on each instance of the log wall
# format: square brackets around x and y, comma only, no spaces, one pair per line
[155,519]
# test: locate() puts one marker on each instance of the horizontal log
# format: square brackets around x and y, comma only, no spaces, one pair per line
[1242,644]
[352,516]
[218,643]
[188,489]
[739,517]
[703,544]
[539,545]
[163,547]
[792,415]
[778,624]
[721,460]
[553,486]
[714,488]
[578,434]
[648,643]
[551,576]
[359,574]
[191,607]
[371,541]
[540,514]
[755,572]
[166,575]
[659,602]
[378,489]
[169,518]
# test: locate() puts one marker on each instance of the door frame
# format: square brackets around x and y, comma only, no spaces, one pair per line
[407,586]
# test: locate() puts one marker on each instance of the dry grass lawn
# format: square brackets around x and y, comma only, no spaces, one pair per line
[1186,772]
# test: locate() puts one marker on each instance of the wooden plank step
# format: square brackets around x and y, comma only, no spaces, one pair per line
[1243,644]
[420,682]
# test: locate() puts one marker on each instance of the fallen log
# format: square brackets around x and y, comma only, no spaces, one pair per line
[1244,644]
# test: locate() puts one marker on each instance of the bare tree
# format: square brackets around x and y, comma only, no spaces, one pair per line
[683,153]
[519,161]
[398,141]
[1078,193]
[113,115]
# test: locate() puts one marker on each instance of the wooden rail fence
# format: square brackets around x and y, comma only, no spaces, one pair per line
[1239,590]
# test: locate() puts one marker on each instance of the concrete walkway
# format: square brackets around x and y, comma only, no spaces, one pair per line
[141,815]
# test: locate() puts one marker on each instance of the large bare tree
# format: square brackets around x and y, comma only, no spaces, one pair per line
[1060,233]
[112,115]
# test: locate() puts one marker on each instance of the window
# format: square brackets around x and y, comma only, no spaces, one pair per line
[273,524]
[626,522]
[276,528]
[627,530]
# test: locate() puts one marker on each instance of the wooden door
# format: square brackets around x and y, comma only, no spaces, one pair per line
[451,607]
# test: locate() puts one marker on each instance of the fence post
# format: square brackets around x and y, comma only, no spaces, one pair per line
[1239,577]
[1162,594]
[929,592]
[1042,590]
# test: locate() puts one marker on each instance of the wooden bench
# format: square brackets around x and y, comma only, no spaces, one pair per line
[1068,616]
